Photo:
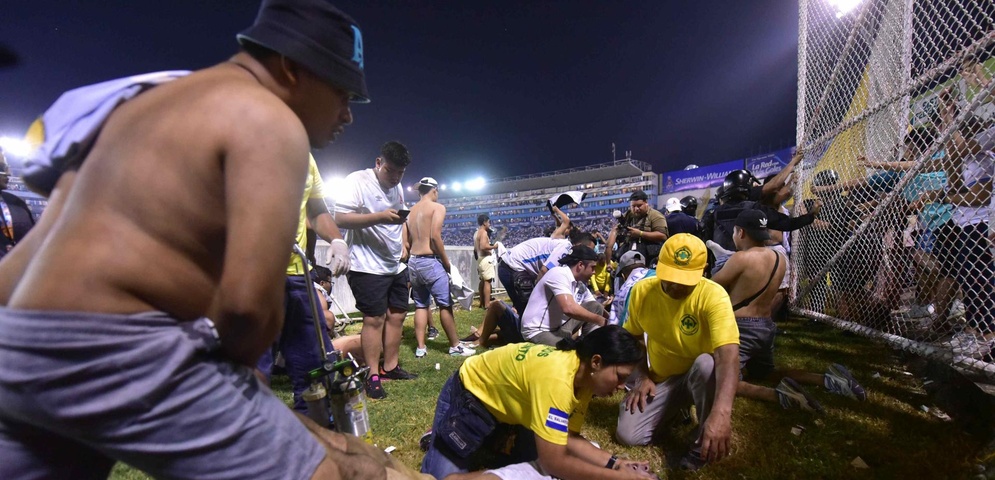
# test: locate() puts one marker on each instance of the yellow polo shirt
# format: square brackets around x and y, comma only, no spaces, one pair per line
[680,330]
[529,385]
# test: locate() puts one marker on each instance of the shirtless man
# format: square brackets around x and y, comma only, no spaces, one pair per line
[429,267]
[752,276]
[156,369]
[484,253]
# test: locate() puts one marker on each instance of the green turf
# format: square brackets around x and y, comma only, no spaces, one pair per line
[889,431]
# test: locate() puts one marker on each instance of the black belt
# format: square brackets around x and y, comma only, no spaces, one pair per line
[426,256]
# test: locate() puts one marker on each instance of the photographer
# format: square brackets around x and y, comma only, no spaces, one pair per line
[642,228]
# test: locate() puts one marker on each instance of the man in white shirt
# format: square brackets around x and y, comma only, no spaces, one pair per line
[371,208]
[522,266]
[561,304]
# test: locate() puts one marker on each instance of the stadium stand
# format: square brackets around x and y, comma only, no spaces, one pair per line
[518,204]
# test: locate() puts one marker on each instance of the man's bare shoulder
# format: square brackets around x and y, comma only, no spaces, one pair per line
[238,104]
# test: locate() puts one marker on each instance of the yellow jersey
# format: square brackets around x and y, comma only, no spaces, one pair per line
[313,188]
[679,330]
[529,385]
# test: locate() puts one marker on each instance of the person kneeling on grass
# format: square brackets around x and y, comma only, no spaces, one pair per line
[530,402]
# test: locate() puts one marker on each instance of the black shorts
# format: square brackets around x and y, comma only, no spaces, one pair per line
[374,293]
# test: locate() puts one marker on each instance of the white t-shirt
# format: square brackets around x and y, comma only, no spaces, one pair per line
[543,313]
[534,252]
[375,249]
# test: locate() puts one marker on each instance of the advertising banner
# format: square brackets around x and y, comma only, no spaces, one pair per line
[698,178]
[769,163]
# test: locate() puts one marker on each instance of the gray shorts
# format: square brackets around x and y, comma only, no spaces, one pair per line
[79,391]
[756,345]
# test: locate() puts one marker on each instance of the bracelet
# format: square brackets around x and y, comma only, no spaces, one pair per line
[339,240]
[611,462]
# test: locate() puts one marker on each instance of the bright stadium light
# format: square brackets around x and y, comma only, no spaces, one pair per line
[844,7]
[457,187]
[409,188]
[475,184]
[333,185]
[442,187]
[15,146]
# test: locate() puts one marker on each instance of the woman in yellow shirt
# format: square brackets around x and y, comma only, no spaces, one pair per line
[540,394]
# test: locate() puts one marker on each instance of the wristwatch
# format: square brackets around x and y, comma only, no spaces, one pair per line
[611,462]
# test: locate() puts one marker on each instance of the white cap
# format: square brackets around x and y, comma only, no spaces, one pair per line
[673,204]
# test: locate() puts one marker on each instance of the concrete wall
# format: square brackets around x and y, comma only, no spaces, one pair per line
[461,259]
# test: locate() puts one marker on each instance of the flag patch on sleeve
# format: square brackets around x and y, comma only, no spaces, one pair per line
[557,420]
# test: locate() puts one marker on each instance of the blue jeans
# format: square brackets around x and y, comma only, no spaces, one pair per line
[297,340]
[441,462]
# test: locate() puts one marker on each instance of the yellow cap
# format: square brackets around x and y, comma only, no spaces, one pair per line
[682,259]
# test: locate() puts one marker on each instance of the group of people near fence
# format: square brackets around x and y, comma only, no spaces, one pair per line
[167,370]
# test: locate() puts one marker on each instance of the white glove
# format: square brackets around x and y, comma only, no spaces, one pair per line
[337,257]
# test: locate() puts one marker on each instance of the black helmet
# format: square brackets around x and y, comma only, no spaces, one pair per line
[738,183]
[825,178]
[689,205]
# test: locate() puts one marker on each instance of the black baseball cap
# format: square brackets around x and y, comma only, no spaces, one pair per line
[580,252]
[316,35]
[754,223]
[638,195]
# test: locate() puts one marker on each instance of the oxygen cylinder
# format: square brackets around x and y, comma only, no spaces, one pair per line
[348,403]
[317,405]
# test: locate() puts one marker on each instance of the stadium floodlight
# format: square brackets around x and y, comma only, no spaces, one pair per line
[332,186]
[442,187]
[844,7]
[409,188]
[475,184]
[457,187]
[15,146]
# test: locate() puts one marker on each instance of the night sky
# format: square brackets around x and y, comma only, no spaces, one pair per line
[472,88]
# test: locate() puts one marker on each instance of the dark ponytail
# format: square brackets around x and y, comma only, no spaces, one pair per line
[614,344]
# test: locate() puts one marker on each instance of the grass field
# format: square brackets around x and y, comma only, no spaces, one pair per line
[889,432]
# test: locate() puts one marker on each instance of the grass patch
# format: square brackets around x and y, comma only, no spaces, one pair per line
[889,431]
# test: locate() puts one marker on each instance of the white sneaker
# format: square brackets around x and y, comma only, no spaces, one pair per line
[460,351]
[976,347]
[421,352]
[959,339]
[957,310]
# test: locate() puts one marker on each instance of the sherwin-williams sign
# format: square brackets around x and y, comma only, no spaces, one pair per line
[701,177]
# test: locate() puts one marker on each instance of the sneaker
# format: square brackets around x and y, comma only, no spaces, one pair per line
[433,333]
[420,352]
[918,312]
[397,373]
[692,461]
[974,347]
[461,351]
[374,389]
[792,395]
[425,441]
[839,381]
[959,340]
[957,310]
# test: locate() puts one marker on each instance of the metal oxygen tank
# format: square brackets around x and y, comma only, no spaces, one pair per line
[348,405]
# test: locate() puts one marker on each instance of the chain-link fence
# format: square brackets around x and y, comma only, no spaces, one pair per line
[897,124]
